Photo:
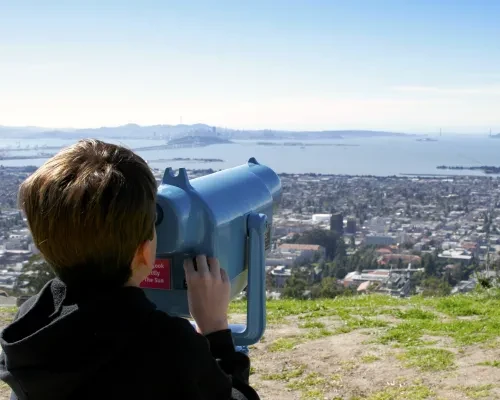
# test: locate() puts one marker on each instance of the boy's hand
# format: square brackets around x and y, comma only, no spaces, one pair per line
[208,294]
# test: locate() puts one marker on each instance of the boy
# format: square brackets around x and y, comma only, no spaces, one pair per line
[91,333]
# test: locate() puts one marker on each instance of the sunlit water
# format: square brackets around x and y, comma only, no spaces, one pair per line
[371,156]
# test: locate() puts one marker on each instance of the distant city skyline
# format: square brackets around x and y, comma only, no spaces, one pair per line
[440,132]
[413,67]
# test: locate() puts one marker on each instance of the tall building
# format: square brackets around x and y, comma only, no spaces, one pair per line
[337,223]
[351,226]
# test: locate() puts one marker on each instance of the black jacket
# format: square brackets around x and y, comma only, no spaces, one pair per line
[115,345]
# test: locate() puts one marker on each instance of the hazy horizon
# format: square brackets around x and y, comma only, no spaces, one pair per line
[387,65]
[69,128]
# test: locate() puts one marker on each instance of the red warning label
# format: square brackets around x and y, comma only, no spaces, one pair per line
[159,278]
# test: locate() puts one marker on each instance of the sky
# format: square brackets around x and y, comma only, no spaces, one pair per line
[414,66]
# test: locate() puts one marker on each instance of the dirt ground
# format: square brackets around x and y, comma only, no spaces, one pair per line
[350,366]
[289,365]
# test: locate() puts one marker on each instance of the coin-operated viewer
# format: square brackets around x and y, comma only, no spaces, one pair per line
[228,215]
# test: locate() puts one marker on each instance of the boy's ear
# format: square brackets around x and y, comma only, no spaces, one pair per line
[142,257]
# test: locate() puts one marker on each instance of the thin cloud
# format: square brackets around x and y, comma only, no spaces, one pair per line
[491,90]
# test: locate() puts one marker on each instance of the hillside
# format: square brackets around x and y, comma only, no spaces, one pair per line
[375,347]
[379,348]
[135,131]
[196,141]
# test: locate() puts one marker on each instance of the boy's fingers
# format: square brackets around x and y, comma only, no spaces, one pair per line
[223,275]
[201,263]
[214,267]
[188,267]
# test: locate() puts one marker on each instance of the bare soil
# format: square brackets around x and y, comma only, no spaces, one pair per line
[353,367]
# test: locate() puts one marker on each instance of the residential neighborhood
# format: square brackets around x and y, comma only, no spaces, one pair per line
[402,219]
[388,228]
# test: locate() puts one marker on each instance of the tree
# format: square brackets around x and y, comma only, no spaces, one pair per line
[341,251]
[331,269]
[467,271]
[455,275]
[316,257]
[35,274]
[295,287]
[270,282]
[433,286]
[329,288]
[416,280]
[340,272]
[408,245]
[429,265]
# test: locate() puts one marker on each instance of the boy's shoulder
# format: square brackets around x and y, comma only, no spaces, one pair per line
[163,323]
[173,335]
[163,320]
[26,306]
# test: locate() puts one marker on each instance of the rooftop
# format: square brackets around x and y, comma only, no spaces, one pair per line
[301,247]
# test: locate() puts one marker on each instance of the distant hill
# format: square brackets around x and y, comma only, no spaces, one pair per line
[169,132]
[14,130]
[196,141]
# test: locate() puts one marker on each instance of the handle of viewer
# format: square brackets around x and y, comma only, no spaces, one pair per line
[256,291]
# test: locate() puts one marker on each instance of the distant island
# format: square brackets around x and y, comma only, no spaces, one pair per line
[487,169]
[427,140]
[187,141]
[183,142]
[299,144]
[197,160]
[171,132]
[196,141]
[5,157]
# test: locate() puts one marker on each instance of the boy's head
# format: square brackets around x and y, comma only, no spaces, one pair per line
[92,209]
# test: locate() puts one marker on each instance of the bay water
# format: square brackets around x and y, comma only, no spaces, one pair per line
[362,156]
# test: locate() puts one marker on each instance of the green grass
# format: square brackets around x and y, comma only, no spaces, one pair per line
[407,334]
[411,392]
[290,343]
[369,358]
[415,313]
[277,310]
[423,329]
[284,344]
[312,324]
[474,304]
[428,359]
[317,334]
[7,314]
[10,310]
[311,386]
[477,392]
[470,319]
[464,332]
[286,375]
[466,319]
[311,380]
[363,322]
[348,365]
[495,364]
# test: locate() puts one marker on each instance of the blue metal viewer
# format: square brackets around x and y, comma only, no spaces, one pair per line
[228,215]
